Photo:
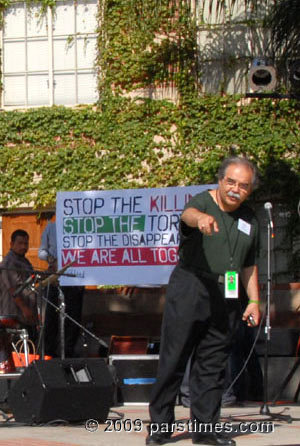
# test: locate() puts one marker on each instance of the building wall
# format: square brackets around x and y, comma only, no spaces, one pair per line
[50,59]
[228,43]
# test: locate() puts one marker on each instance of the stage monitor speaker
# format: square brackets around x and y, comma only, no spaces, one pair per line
[135,375]
[70,389]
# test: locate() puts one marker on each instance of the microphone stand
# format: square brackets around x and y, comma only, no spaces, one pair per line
[61,308]
[62,316]
[264,410]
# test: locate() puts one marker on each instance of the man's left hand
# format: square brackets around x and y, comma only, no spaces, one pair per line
[252,309]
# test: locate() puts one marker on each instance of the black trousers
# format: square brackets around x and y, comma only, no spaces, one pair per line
[197,319]
[73,306]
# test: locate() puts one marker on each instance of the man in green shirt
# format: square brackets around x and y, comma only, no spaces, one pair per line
[217,252]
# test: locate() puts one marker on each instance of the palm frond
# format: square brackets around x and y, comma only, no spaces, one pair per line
[284,22]
[220,5]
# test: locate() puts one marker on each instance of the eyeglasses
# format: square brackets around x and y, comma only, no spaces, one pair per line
[245,187]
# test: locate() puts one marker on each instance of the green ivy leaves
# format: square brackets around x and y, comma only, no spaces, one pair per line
[144,144]
[146,43]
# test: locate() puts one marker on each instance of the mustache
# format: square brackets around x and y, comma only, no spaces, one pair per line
[234,195]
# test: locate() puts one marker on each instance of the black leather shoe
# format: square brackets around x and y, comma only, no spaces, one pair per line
[213,439]
[157,438]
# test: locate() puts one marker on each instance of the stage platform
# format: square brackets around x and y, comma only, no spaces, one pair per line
[126,426]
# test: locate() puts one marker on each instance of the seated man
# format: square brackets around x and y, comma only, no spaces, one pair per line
[15,269]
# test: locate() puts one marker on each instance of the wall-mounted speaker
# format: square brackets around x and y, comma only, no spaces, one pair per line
[262,75]
[70,389]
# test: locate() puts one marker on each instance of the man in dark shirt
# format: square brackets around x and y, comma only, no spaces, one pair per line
[17,308]
[218,248]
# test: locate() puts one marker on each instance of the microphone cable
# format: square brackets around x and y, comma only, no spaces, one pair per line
[249,354]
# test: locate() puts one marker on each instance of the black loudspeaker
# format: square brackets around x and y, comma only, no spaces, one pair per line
[69,389]
[283,342]
[135,376]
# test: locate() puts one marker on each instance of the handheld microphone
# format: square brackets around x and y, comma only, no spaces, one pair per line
[24,285]
[268,206]
[251,320]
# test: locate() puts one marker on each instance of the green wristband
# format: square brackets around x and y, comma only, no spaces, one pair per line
[253,301]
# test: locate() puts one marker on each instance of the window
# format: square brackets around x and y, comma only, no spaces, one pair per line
[50,59]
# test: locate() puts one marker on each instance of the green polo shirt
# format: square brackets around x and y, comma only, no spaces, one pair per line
[234,247]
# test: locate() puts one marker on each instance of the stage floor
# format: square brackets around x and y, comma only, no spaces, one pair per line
[126,426]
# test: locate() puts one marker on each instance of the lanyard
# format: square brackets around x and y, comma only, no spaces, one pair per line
[231,251]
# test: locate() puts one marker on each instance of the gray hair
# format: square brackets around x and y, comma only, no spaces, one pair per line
[241,161]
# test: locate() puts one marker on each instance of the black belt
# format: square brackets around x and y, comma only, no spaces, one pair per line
[219,278]
[211,276]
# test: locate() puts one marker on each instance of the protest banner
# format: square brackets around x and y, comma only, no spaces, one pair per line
[120,237]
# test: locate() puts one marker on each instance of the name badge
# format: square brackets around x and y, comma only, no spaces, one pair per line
[244,226]
[231,285]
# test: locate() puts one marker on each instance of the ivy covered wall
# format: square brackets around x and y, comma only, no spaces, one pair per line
[146,44]
[146,143]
